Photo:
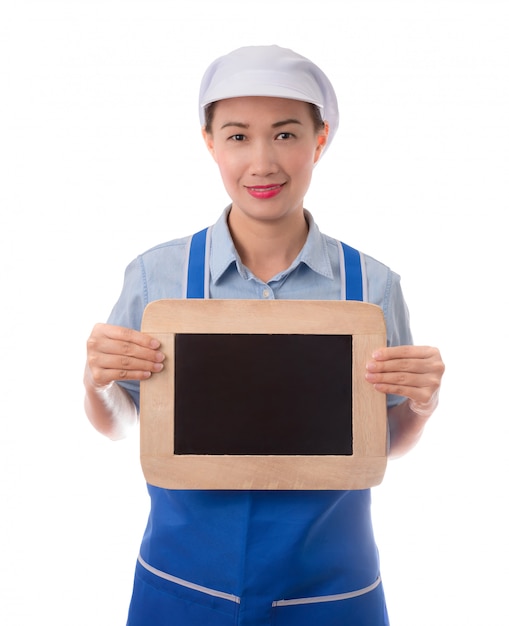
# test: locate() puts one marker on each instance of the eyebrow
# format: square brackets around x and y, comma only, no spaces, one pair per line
[290,120]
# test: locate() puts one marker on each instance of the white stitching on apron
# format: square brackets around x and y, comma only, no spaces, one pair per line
[188,584]
[236,599]
[339,596]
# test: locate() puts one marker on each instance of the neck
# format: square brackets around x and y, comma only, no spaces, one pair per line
[270,246]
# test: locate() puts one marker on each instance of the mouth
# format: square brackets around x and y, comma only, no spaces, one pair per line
[264,192]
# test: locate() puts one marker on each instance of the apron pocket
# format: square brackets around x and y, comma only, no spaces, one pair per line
[364,608]
[160,602]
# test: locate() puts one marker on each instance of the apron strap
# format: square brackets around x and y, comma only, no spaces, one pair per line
[196,284]
[351,263]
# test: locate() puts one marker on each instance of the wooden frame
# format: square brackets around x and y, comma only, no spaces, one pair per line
[364,468]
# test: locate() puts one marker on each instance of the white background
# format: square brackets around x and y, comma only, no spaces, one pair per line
[101,158]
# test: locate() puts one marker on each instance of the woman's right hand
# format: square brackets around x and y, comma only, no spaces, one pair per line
[116,353]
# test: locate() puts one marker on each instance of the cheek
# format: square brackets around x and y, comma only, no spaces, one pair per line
[229,167]
[304,164]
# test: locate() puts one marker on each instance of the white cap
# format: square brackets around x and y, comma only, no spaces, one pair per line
[269,71]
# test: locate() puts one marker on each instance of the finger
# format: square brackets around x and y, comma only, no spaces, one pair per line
[417,366]
[110,370]
[127,351]
[122,334]
[127,362]
[421,395]
[405,352]
[418,359]
[427,379]
[119,375]
[404,379]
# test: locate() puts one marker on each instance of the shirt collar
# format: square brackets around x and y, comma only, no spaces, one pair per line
[223,253]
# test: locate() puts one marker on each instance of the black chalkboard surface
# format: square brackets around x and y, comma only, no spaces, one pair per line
[263,394]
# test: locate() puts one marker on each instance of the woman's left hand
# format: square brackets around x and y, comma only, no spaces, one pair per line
[411,371]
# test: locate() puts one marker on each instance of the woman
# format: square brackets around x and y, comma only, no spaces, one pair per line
[270,557]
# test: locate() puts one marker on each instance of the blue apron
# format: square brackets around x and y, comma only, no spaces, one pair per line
[255,558]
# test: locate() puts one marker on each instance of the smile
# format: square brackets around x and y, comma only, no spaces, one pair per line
[265,191]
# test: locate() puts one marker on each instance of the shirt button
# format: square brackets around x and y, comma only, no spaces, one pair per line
[266,293]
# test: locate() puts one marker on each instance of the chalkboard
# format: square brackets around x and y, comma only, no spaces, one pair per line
[263,394]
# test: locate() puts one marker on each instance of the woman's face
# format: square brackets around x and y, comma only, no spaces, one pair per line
[266,149]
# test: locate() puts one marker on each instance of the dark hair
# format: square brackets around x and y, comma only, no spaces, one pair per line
[316,116]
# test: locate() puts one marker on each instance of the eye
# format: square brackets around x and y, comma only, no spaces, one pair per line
[285,135]
[238,137]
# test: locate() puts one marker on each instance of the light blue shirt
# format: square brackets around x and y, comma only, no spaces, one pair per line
[159,273]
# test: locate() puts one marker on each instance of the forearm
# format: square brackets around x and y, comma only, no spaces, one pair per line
[109,409]
[406,427]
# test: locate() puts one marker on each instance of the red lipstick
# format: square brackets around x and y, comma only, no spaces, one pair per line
[264,192]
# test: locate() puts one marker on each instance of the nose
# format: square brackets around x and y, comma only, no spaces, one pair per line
[263,159]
